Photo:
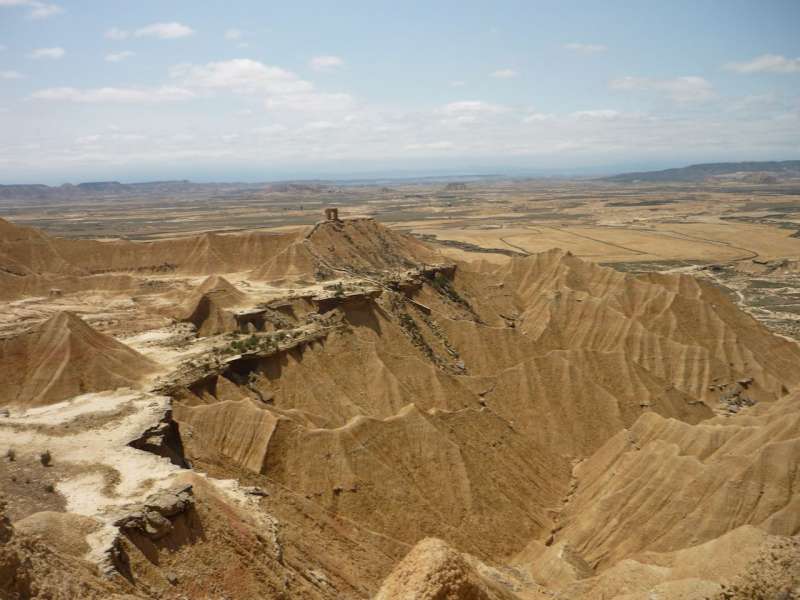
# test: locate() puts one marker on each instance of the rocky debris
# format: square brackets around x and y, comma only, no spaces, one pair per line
[733,397]
[191,373]
[324,303]
[115,560]
[163,439]
[153,518]
[774,574]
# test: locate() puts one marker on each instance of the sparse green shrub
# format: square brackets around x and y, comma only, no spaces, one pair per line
[251,343]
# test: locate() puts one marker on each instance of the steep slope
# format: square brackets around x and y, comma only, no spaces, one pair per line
[458,473]
[671,484]
[32,262]
[207,309]
[695,573]
[199,254]
[352,246]
[24,250]
[65,357]
[295,263]
[365,246]
[682,330]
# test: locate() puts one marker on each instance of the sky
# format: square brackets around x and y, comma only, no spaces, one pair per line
[257,91]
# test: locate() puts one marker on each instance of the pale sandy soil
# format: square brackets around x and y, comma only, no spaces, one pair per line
[98,451]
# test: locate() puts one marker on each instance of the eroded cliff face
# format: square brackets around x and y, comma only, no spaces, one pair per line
[355,416]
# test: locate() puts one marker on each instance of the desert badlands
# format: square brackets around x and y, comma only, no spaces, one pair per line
[343,411]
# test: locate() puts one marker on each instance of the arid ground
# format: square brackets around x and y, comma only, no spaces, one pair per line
[482,389]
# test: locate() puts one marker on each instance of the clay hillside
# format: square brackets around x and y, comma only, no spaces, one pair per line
[64,357]
[339,411]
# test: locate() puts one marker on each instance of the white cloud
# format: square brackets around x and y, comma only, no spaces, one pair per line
[114,95]
[36,9]
[165,31]
[41,10]
[233,34]
[431,146]
[504,74]
[602,114]
[537,117]
[680,89]
[282,89]
[310,102]
[767,63]
[325,63]
[115,33]
[319,126]
[471,107]
[48,53]
[88,139]
[119,56]
[458,83]
[467,112]
[3,48]
[586,48]
[271,129]
[97,138]
[10,75]
[241,75]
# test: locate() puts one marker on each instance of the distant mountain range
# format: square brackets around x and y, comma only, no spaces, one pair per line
[754,172]
[751,172]
[150,189]
[107,188]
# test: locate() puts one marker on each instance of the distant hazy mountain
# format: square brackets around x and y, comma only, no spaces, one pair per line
[111,189]
[764,171]
[106,189]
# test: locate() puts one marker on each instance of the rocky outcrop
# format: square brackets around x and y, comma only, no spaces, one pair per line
[163,439]
[154,518]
